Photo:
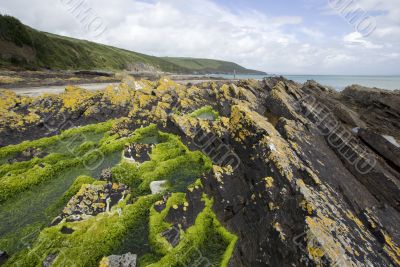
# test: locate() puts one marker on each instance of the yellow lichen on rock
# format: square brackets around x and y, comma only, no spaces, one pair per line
[119,95]
[269,182]
[165,84]
[74,97]
[9,79]
[279,229]
[105,262]
[391,249]
[144,100]
[306,206]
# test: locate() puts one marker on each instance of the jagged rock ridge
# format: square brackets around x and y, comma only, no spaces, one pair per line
[303,175]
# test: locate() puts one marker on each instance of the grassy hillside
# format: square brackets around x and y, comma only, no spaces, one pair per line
[209,65]
[26,48]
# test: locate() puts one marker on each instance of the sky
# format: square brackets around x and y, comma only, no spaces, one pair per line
[278,37]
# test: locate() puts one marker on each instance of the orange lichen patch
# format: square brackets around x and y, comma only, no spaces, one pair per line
[280,154]
[237,117]
[91,110]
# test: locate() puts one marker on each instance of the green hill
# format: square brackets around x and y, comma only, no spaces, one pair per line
[22,47]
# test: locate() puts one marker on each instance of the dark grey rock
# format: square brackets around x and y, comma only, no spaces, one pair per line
[66,230]
[48,262]
[3,257]
[386,149]
[126,260]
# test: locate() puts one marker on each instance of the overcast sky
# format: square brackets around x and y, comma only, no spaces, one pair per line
[286,37]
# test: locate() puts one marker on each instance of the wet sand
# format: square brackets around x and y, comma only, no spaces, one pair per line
[37,91]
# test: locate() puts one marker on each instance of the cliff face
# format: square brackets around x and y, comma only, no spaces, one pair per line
[302,175]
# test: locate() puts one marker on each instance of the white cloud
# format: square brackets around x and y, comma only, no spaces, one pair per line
[312,33]
[356,39]
[205,29]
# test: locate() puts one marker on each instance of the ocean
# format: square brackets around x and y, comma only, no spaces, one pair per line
[338,82]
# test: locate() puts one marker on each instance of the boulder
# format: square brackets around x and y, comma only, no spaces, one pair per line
[92,200]
[388,150]
[48,262]
[3,257]
[126,260]
[157,187]
[106,175]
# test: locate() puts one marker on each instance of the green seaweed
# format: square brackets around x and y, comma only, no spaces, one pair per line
[91,240]
[206,242]
[169,160]
[205,113]
[41,187]
[72,190]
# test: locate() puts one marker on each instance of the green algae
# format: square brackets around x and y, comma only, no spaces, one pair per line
[30,210]
[34,192]
[205,113]
[72,190]
[136,230]
[158,224]
[206,242]
[47,142]
[42,203]
[169,160]
[91,240]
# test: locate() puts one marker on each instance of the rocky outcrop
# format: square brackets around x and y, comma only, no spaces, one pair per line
[91,200]
[306,184]
[28,154]
[383,145]
[126,260]
[302,174]
[137,152]
[3,257]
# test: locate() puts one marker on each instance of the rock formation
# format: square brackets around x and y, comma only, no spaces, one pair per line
[302,175]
